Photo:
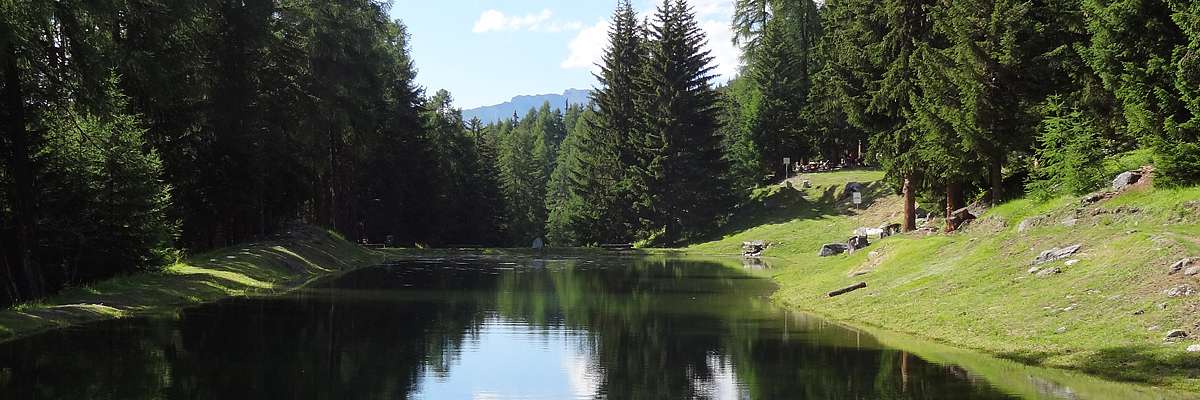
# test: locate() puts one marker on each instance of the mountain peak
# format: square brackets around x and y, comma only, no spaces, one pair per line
[523,103]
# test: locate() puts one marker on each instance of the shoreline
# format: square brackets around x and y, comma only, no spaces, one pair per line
[275,266]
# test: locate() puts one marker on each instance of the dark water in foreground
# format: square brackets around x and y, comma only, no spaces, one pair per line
[472,329]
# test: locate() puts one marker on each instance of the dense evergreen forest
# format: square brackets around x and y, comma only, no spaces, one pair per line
[137,131]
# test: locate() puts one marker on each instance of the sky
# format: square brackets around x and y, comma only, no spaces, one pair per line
[487,51]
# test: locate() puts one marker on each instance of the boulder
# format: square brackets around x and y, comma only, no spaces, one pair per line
[1056,254]
[857,242]
[1126,179]
[869,232]
[1180,291]
[852,187]
[833,249]
[753,248]
[961,216]
[889,229]
[1181,265]
[1176,334]
[1195,348]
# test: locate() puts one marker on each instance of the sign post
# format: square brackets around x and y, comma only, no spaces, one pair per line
[787,166]
[857,200]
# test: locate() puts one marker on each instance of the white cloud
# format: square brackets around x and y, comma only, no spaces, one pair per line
[726,56]
[587,48]
[497,21]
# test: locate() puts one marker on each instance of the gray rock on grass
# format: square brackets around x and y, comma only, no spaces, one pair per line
[1056,254]
[833,249]
[1184,290]
[1126,179]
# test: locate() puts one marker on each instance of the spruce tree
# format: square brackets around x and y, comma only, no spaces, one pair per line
[607,153]
[681,150]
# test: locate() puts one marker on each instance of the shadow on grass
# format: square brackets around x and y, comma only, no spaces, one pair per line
[280,264]
[1140,364]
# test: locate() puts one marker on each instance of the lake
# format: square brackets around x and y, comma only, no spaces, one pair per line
[491,328]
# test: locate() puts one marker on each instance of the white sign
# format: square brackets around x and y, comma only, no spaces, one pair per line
[857,198]
[787,161]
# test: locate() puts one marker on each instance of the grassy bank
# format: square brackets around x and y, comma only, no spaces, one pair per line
[272,266]
[1105,314]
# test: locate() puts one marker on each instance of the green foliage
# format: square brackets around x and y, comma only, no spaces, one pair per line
[1177,164]
[1069,158]
[106,205]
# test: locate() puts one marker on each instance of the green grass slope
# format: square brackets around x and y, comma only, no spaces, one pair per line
[1105,314]
[273,266]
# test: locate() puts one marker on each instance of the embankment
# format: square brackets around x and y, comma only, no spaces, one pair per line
[1105,310]
[273,266]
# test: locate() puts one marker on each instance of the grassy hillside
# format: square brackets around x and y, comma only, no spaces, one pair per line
[1105,314]
[273,266]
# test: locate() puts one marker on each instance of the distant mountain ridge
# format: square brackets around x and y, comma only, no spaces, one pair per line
[522,104]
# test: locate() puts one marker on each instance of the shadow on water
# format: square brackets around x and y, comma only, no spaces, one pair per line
[463,328]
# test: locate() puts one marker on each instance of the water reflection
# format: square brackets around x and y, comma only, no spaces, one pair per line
[459,329]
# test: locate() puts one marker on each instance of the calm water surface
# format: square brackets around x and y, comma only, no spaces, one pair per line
[478,329]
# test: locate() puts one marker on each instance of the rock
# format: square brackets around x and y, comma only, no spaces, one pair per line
[1028,223]
[1192,270]
[1071,262]
[852,187]
[1193,348]
[889,229]
[1180,291]
[1034,270]
[874,254]
[1094,197]
[807,184]
[1061,330]
[1126,179]
[869,232]
[833,249]
[1152,328]
[1162,306]
[1139,312]
[1175,334]
[1049,272]
[1056,254]
[1069,222]
[1184,264]
[753,248]
[857,242]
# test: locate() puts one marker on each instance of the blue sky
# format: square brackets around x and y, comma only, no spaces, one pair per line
[487,51]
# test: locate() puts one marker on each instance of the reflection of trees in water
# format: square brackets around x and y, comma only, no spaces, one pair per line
[653,330]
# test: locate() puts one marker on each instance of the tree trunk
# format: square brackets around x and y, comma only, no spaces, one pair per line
[996,177]
[910,204]
[22,194]
[953,202]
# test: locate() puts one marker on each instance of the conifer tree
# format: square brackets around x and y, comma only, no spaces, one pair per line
[681,160]
[607,155]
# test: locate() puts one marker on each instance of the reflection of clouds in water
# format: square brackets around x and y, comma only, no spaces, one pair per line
[583,382]
[724,383]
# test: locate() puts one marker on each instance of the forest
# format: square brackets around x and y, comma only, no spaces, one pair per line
[136,132]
